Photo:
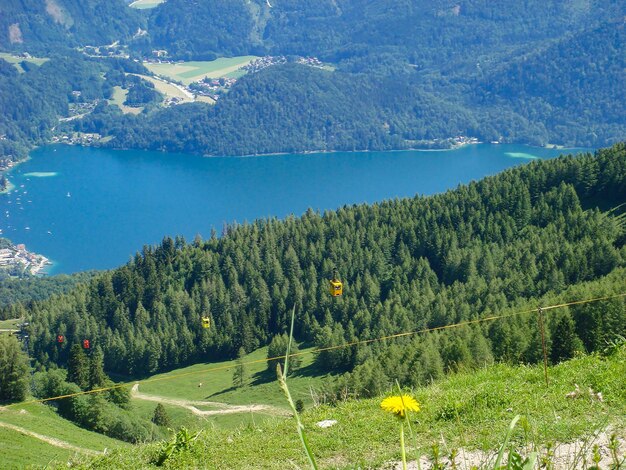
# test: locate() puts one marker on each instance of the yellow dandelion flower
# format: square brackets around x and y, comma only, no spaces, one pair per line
[398,405]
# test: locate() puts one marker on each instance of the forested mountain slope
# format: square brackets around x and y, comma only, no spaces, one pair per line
[582,75]
[508,240]
[293,108]
[34,98]
[406,73]
[386,95]
[426,32]
[42,26]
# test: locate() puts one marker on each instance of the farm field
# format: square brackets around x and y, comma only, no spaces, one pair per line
[187,72]
[119,96]
[168,89]
[145,4]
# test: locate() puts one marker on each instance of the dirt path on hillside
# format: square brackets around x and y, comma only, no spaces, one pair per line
[223,408]
[49,440]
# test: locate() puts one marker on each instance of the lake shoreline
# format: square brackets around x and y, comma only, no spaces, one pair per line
[118,200]
[274,154]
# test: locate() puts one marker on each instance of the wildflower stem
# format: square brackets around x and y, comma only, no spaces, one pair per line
[402,446]
[282,381]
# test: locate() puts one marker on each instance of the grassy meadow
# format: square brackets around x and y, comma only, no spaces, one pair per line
[187,72]
[261,386]
[119,96]
[20,449]
[170,90]
[467,413]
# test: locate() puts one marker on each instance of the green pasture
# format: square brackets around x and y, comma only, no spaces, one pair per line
[166,88]
[187,72]
[217,382]
[19,451]
[42,419]
[118,98]
[469,411]
[182,417]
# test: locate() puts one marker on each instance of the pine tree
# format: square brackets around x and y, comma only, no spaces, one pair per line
[240,373]
[13,370]
[97,377]
[161,418]
[78,367]
[565,343]
[277,348]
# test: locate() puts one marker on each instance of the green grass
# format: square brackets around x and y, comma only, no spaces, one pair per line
[217,384]
[179,416]
[19,451]
[10,324]
[42,419]
[469,410]
[118,98]
[166,88]
[187,72]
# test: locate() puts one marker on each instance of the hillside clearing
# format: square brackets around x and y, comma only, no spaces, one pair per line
[170,90]
[33,434]
[187,72]
[468,411]
[119,96]
[10,324]
[15,60]
[192,405]
[213,382]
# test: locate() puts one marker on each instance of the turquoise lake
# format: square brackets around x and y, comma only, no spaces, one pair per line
[87,208]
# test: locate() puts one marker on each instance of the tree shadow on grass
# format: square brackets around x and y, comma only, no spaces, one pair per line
[262,377]
[221,392]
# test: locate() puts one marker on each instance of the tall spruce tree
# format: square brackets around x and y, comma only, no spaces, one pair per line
[565,342]
[97,376]
[78,367]
[13,370]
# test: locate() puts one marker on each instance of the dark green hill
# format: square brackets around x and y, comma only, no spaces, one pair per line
[406,73]
[40,26]
[293,108]
[426,32]
[509,240]
[580,76]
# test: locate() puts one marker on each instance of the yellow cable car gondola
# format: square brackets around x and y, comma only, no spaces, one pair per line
[336,286]
[206,322]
